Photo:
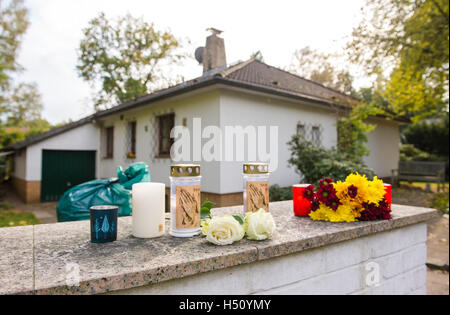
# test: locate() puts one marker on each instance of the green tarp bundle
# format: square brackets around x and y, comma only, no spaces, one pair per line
[75,203]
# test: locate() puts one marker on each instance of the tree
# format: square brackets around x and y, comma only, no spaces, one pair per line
[353,129]
[20,104]
[257,55]
[409,39]
[24,106]
[320,68]
[122,58]
[13,24]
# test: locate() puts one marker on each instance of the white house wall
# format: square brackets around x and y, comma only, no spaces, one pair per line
[219,107]
[20,164]
[383,144]
[83,138]
[205,106]
[239,109]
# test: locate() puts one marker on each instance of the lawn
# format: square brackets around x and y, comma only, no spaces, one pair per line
[9,218]
[423,185]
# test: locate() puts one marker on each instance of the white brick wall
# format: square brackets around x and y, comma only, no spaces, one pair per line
[335,269]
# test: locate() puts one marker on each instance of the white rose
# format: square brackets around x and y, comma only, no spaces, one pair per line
[260,225]
[223,230]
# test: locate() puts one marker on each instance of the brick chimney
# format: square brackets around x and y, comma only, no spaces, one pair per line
[214,54]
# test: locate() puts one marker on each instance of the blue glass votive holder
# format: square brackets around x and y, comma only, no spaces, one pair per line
[104,223]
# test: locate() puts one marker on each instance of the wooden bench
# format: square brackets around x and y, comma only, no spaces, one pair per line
[420,171]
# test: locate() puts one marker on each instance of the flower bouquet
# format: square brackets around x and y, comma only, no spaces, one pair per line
[355,199]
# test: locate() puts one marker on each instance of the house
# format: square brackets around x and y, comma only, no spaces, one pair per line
[243,94]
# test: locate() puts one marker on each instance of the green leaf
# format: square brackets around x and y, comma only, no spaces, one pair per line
[239,219]
[205,210]
[205,213]
[208,204]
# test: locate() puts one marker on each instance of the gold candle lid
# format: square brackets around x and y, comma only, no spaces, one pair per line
[256,168]
[184,170]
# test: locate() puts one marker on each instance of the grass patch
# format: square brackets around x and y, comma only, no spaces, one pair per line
[9,218]
[5,206]
[439,201]
[423,185]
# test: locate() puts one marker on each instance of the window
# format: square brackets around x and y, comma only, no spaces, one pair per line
[301,130]
[165,124]
[316,136]
[131,139]
[109,142]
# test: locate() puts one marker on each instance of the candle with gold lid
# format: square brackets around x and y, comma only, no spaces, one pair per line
[185,200]
[256,187]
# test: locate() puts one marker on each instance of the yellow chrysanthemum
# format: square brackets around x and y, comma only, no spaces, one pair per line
[361,183]
[341,189]
[376,191]
[344,213]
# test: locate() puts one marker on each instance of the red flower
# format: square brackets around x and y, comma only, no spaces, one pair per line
[373,212]
[326,182]
[353,191]
[323,195]
[326,193]
[315,205]
[308,193]
[333,203]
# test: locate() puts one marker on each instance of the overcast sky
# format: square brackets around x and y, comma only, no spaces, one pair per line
[276,28]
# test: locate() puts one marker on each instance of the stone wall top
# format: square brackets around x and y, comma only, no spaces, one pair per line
[41,259]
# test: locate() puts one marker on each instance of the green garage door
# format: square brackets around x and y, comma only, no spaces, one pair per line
[62,170]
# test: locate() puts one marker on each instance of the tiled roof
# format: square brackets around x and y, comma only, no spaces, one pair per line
[250,74]
[259,73]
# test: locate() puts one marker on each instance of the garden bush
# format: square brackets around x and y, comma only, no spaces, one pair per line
[409,152]
[314,163]
[278,193]
[429,136]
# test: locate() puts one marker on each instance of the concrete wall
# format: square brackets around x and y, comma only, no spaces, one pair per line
[82,138]
[383,143]
[396,257]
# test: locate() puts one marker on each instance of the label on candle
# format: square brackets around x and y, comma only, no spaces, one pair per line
[257,196]
[188,207]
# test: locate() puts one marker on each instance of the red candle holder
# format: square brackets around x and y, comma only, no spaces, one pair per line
[302,206]
[388,194]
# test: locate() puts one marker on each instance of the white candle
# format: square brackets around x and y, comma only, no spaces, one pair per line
[148,210]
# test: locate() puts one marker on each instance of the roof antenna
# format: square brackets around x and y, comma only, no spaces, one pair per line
[214,31]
